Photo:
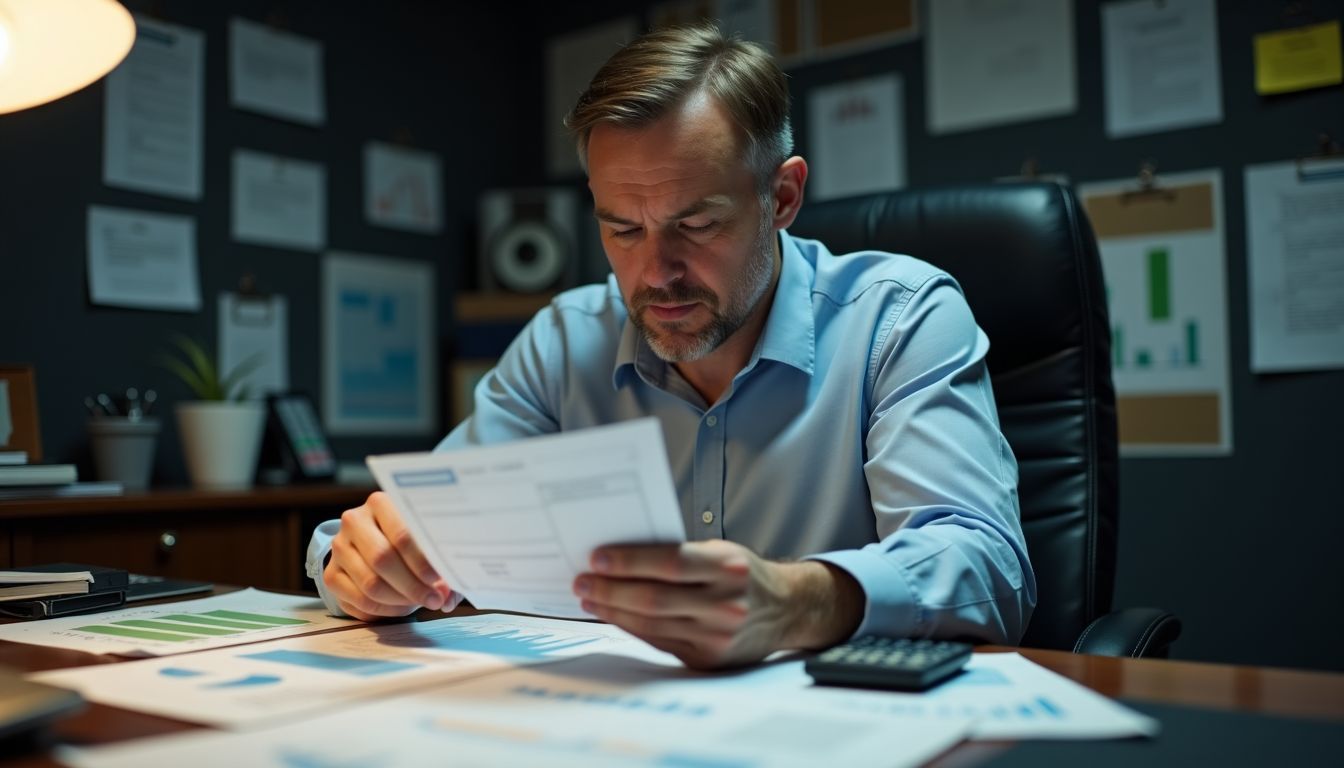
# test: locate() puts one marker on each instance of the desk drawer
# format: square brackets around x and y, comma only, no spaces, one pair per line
[258,549]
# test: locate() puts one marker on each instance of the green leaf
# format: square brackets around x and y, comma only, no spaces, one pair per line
[240,371]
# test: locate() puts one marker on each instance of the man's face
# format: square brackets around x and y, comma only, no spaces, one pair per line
[690,245]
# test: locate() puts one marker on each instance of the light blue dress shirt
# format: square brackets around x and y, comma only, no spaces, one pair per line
[862,432]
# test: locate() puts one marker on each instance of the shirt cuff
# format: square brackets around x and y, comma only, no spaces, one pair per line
[890,606]
[319,547]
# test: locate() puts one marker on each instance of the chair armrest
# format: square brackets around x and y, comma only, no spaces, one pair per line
[1133,632]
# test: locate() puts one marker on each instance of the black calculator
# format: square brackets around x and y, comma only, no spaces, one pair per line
[887,662]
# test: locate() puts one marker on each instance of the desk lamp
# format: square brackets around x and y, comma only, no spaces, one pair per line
[49,48]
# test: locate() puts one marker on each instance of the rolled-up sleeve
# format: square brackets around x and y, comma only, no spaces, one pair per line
[951,560]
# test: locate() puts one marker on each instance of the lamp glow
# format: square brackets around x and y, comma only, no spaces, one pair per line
[49,48]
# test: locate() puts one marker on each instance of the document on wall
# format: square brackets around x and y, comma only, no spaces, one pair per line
[1161,65]
[153,113]
[379,345]
[259,684]
[1298,59]
[142,260]
[1163,254]
[857,137]
[245,616]
[510,526]
[583,712]
[255,328]
[1295,250]
[571,61]
[403,188]
[279,201]
[999,61]
[275,73]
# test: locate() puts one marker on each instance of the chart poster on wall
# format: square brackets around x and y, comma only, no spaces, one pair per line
[153,114]
[276,73]
[1164,257]
[856,137]
[403,188]
[379,356]
[990,62]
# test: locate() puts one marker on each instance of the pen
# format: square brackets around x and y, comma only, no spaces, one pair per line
[133,411]
[107,404]
[150,397]
[92,407]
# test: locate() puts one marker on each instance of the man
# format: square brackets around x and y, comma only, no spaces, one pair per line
[835,409]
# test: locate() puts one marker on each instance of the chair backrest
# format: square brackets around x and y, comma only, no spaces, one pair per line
[1026,257]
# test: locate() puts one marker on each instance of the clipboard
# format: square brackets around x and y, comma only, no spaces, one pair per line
[253,323]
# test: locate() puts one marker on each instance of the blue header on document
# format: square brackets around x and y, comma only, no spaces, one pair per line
[417,478]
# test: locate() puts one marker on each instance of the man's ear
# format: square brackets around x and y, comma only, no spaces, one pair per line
[790,178]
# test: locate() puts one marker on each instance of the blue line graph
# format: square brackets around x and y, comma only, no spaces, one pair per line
[251,681]
[623,701]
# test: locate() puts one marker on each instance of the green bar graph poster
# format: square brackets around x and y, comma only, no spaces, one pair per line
[1163,256]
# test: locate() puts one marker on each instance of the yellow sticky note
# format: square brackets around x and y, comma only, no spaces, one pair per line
[1298,59]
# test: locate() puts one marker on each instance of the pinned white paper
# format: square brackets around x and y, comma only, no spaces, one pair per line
[142,260]
[279,201]
[255,327]
[275,73]
[857,137]
[403,188]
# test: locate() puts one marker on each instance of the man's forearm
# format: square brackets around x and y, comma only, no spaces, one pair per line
[826,605]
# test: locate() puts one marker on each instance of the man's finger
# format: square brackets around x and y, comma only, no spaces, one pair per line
[396,532]
[691,562]
[358,603]
[718,607]
[373,564]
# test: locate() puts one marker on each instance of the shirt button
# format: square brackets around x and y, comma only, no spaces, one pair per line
[711,421]
[707,516]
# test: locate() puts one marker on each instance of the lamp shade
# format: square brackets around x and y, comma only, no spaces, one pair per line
[49,48]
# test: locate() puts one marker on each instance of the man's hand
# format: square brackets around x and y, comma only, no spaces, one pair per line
[716,603]
[376,570]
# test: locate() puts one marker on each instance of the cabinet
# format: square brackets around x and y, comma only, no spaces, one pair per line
[254,537]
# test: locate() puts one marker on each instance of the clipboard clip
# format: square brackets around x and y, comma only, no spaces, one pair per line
[253,306]
[1327,163]
[1149,188]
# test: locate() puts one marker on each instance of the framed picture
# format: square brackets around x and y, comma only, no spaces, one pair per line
[466,373]
[18,411]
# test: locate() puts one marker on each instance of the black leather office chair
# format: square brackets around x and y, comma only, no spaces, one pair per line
[1027,260]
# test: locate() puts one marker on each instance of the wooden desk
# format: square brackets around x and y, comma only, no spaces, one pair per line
[1314,695]
[256,536]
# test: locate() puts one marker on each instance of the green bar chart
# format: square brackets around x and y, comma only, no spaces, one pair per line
[184,627]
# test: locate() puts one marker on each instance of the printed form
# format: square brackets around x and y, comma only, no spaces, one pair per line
[510,526]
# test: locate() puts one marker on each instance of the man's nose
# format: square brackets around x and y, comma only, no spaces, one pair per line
[662,265]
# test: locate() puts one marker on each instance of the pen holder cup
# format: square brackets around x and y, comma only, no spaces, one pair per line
[123,450]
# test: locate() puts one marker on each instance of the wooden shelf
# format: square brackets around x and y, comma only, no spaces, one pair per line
[499,307]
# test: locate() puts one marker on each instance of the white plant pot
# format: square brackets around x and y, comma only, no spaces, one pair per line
[221,441]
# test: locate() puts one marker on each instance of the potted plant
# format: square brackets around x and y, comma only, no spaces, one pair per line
[221,431]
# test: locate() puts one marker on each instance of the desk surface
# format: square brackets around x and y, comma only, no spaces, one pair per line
[1291,693]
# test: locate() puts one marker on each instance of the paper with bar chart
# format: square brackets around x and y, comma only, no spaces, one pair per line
[1164,258]
[584,712]
[264,683]
[246,616]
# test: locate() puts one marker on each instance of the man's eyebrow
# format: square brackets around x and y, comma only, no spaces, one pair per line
[699,206]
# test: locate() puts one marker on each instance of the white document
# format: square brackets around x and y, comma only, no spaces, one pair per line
[403,188]
[571,61]
[990,62]
[262,683]
[153,113]
[275,73]
[1166,284]
[279,201]
[245,616]
[379,345]
[1161,65]
[1295,250]
[857,137]
[585,712]
[142,260]
[253,327]
[510,526]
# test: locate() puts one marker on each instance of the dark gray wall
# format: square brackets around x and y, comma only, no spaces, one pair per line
[1243,548]
[432,74]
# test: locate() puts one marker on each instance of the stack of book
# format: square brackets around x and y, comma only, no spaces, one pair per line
[21,480]
[55,589]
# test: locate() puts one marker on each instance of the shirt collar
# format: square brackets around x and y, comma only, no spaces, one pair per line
[789,335]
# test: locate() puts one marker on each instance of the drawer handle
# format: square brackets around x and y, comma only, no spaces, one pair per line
[167,541]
